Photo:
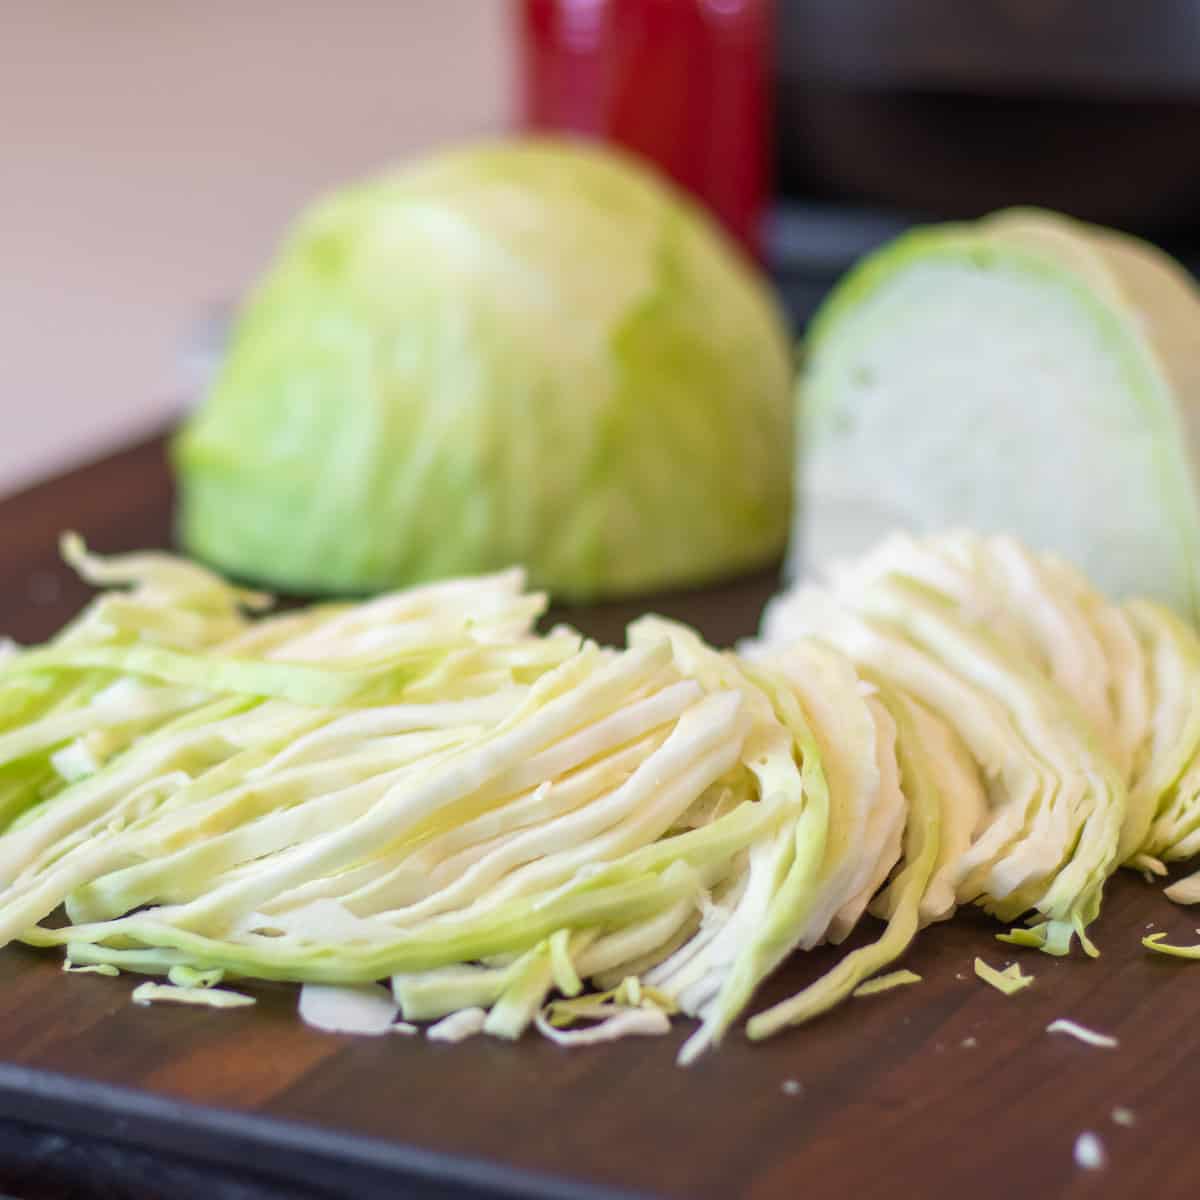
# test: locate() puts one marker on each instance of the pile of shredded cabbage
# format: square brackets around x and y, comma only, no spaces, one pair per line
[424,811]
[1076,721]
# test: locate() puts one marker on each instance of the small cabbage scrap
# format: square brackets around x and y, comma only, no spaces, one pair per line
[885,983]
[153,993]
[367,1009]
[1089,1152]
[1009,981]
[623,1022]
[1184,891]
[458,1026]
[630,1009]
[1082,1033]
[1154,941]
[629,993]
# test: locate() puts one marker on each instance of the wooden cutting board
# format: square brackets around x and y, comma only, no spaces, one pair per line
[945,1088]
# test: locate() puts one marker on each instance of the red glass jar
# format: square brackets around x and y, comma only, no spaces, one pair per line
[683,82]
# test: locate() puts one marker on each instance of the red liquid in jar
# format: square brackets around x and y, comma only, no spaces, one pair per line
[682,82]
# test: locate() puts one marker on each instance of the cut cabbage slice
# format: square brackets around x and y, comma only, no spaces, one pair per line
[1045,615]
[1169,787]
[964,815]
[1056,803]
[921,837]
[1024,374]
[746,938]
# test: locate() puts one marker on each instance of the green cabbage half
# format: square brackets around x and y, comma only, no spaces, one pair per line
[1023,374]
[529,352]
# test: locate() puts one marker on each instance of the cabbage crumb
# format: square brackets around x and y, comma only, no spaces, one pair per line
[1009,981]
[1082,1033]
[1089,1152]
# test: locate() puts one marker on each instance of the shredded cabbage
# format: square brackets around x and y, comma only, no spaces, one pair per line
[511,828]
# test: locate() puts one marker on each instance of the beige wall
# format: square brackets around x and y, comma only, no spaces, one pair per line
[150,153]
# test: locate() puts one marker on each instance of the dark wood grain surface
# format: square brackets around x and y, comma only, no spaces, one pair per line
[942,1089]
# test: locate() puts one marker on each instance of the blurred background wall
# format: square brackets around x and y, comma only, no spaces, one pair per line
[151,152]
